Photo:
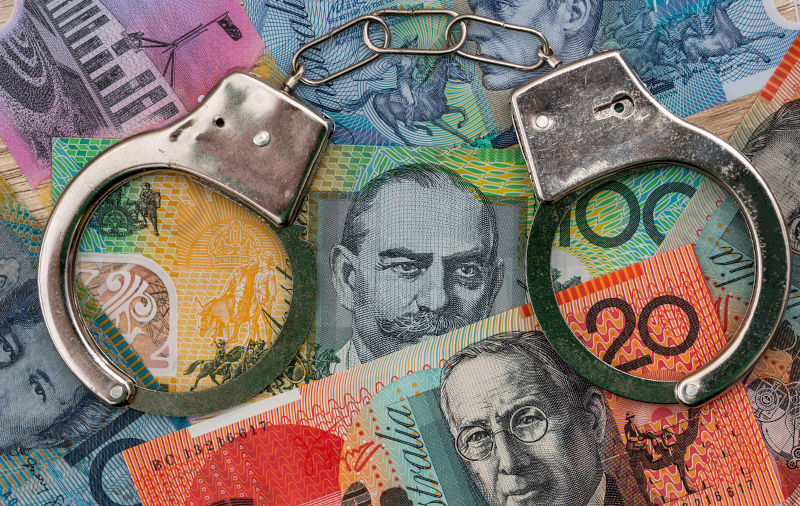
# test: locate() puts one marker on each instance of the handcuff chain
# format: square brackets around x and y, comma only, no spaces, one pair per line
[452,45]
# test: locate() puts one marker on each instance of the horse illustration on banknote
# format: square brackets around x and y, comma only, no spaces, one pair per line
[226,364]
[246,299]
[722,39]
[662,52]
[413,101]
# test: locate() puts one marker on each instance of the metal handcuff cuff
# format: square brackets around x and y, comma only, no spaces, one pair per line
[577,125]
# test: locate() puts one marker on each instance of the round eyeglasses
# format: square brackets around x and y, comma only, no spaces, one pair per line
[528,424]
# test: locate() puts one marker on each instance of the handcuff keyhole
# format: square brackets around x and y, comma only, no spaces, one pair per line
[219,122]
[621,107]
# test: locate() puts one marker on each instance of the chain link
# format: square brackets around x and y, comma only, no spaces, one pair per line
[298,71]
[413,13]
[452,45]
[544,52]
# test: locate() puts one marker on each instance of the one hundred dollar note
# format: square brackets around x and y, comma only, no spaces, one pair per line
[59,444]
[487,414]
[620,223]
[691,54]
[410,243]
[110,68]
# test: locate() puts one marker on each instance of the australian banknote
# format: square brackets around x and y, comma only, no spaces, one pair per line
[691,54]
[724,248]
[58,443]
[463,418]
[410,243]
[197,285]
[108,68]
[620,223]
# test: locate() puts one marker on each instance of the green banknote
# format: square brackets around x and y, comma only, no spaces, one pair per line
[620,223]
[410,243]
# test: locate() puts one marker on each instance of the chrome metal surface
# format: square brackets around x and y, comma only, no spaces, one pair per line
[214,144]
[387,40]
[595,118]
[451,45]
[454,47]
[544,52]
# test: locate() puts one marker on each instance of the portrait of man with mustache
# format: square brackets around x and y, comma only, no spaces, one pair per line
[417,258]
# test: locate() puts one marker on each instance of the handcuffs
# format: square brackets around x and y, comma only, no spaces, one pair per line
[577,125]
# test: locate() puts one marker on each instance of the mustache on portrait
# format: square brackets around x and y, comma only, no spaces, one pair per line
[410,328]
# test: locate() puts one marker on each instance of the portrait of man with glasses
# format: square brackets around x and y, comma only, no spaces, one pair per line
[527,428]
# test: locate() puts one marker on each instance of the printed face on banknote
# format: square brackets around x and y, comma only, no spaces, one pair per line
[774,150]
[568,25]
[42,400]
[418,257]
[528,431]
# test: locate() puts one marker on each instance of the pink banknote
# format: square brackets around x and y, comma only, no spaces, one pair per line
[111,68]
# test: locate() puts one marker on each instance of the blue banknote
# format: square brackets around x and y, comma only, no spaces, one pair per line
[93,472]
[59,444]
[397,99]
[692,54]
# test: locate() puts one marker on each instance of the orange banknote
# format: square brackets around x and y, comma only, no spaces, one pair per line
[489,414]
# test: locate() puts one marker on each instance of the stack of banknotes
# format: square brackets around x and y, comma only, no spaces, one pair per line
[425,377]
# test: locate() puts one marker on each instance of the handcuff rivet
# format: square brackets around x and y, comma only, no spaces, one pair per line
[262,138]
[117,391]
[542,122]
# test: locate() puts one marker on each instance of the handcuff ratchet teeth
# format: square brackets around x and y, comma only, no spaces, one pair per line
[238,143]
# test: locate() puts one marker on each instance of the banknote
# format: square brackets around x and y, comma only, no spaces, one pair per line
[620,223]
[725,253]
[410,242]
[691,54]
[110,68]
[724,248]
[487,414]
[197,285]
[403,99]
[58,443]
[694,217]
[647,319]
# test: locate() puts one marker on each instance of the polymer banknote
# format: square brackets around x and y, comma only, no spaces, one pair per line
[58,443]
[410,243]
[691,54]
[463,418]
[725,252]
[109,68]
[713,221]
[620,223]
[198,285]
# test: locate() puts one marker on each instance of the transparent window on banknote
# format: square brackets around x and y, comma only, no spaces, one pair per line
[181,286]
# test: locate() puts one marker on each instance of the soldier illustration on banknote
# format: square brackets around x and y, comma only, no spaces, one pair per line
[119,215]
[418,257]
